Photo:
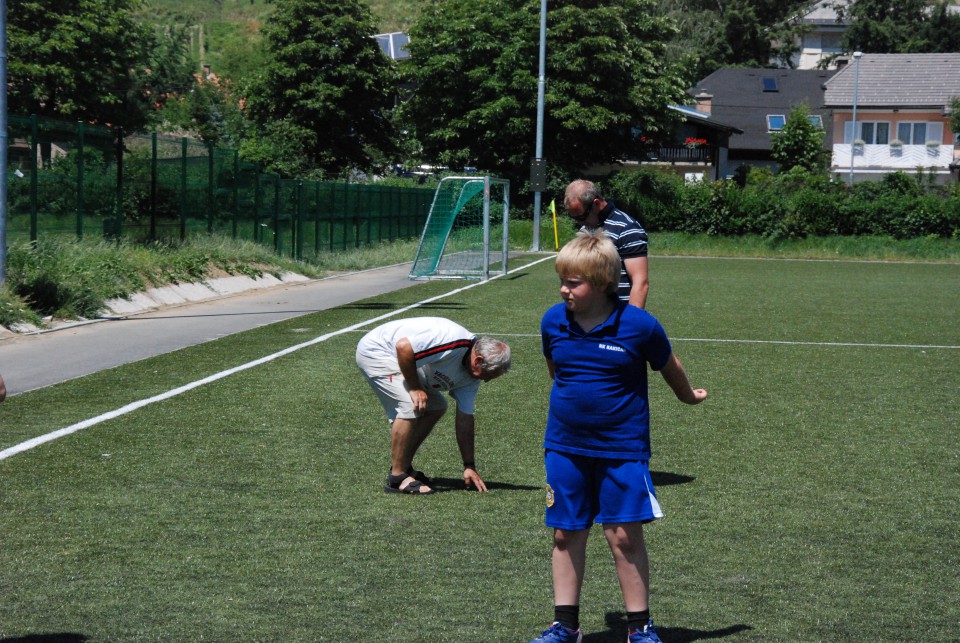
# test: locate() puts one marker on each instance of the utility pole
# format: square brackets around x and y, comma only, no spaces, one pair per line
[3,142]
[856,86]
[538,160]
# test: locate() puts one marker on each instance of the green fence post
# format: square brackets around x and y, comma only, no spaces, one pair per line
[257,204]
[276,216]
[298,226]
[112,226]
[316,218]
[332,200]
[209,187]
[80,155]
[356,213]
[34,177]
[236,192]
[183,188]
[153,187]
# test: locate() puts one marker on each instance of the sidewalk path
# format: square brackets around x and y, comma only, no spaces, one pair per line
[32,361]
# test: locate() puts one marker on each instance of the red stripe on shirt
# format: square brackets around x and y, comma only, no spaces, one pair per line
[449,346]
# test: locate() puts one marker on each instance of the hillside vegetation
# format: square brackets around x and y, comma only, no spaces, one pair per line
[225,34]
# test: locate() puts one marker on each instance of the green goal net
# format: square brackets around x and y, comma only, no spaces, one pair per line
[466,227]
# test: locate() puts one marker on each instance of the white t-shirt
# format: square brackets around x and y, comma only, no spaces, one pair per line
[440,348]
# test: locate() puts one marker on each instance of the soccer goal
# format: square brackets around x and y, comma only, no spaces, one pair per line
[467,216]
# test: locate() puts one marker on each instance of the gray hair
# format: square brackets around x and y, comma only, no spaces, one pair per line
[495,354]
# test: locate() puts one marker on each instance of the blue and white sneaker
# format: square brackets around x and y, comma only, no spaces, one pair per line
[647,635]
[557,633]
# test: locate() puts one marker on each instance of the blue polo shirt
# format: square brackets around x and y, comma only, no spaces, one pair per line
[598,403]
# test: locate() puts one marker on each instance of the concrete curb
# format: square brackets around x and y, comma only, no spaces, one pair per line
[166,296]
[178,294]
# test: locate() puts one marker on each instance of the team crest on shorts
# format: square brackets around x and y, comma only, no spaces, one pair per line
[549,496]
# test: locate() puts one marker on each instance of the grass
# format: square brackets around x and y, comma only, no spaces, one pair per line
[813,497]
[69,279]
[867,248]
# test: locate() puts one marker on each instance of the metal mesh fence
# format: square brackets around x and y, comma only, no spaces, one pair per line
[78,180]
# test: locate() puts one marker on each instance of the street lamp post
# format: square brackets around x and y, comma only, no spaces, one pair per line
[856,86]
[3,142]
[541,83]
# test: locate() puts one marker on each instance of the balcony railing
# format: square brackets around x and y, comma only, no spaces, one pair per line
[902,157]
[680,154]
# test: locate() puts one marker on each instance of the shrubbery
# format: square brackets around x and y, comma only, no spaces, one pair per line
[793,204]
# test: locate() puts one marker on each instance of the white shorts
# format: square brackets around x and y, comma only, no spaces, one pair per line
[394,395]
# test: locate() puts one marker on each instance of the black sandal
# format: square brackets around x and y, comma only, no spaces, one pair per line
[412,488]
[419,476]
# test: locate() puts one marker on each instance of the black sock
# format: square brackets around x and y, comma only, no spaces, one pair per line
[637,620]
[567,615]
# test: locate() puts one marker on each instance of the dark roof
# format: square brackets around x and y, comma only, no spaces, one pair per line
[739,99]
[691,115]
[897,80]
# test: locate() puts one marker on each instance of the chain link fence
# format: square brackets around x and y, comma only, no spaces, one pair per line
[83,181]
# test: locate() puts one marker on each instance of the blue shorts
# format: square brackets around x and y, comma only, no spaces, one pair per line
[582,490]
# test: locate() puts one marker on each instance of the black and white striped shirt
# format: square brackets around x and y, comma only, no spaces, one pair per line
[628,236]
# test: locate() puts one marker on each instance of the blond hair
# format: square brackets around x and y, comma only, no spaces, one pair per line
[592,256]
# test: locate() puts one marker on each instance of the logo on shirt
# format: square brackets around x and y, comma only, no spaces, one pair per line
[610,347]
[442,381]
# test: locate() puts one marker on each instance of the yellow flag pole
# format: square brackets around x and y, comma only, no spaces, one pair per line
[556,238]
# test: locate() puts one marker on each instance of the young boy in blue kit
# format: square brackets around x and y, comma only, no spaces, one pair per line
[597,441]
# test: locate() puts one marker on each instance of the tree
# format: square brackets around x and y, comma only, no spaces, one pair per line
[723,33]
[208,111]
[900,26]
[941,33]
[326,93]
[799,143]
[87,61]
[474,73]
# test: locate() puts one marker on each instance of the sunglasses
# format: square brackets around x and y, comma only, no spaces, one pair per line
[583,217]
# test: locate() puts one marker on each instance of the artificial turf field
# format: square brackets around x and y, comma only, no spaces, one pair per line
[815,496]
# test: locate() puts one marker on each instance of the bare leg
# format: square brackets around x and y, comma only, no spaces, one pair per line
[406,436]
[569,561]
[633,567]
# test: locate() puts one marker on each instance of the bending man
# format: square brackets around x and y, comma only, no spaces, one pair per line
[410,364]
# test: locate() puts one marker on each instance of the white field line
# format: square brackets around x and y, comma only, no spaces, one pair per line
[787,343]
[133,406]
[899,262]
[772,341]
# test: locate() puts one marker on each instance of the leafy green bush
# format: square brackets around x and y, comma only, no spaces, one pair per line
[13,310]
[653,197]
[794,204]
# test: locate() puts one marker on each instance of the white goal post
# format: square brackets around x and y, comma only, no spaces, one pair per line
[467,214]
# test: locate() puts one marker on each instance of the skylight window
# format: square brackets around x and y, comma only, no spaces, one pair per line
[769,84]
[775,122]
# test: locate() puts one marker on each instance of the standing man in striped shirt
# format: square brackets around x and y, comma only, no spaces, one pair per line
[410,364]
[590,210]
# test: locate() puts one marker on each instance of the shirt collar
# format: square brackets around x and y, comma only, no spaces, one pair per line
[465,360]
[606,211]
[612,321]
